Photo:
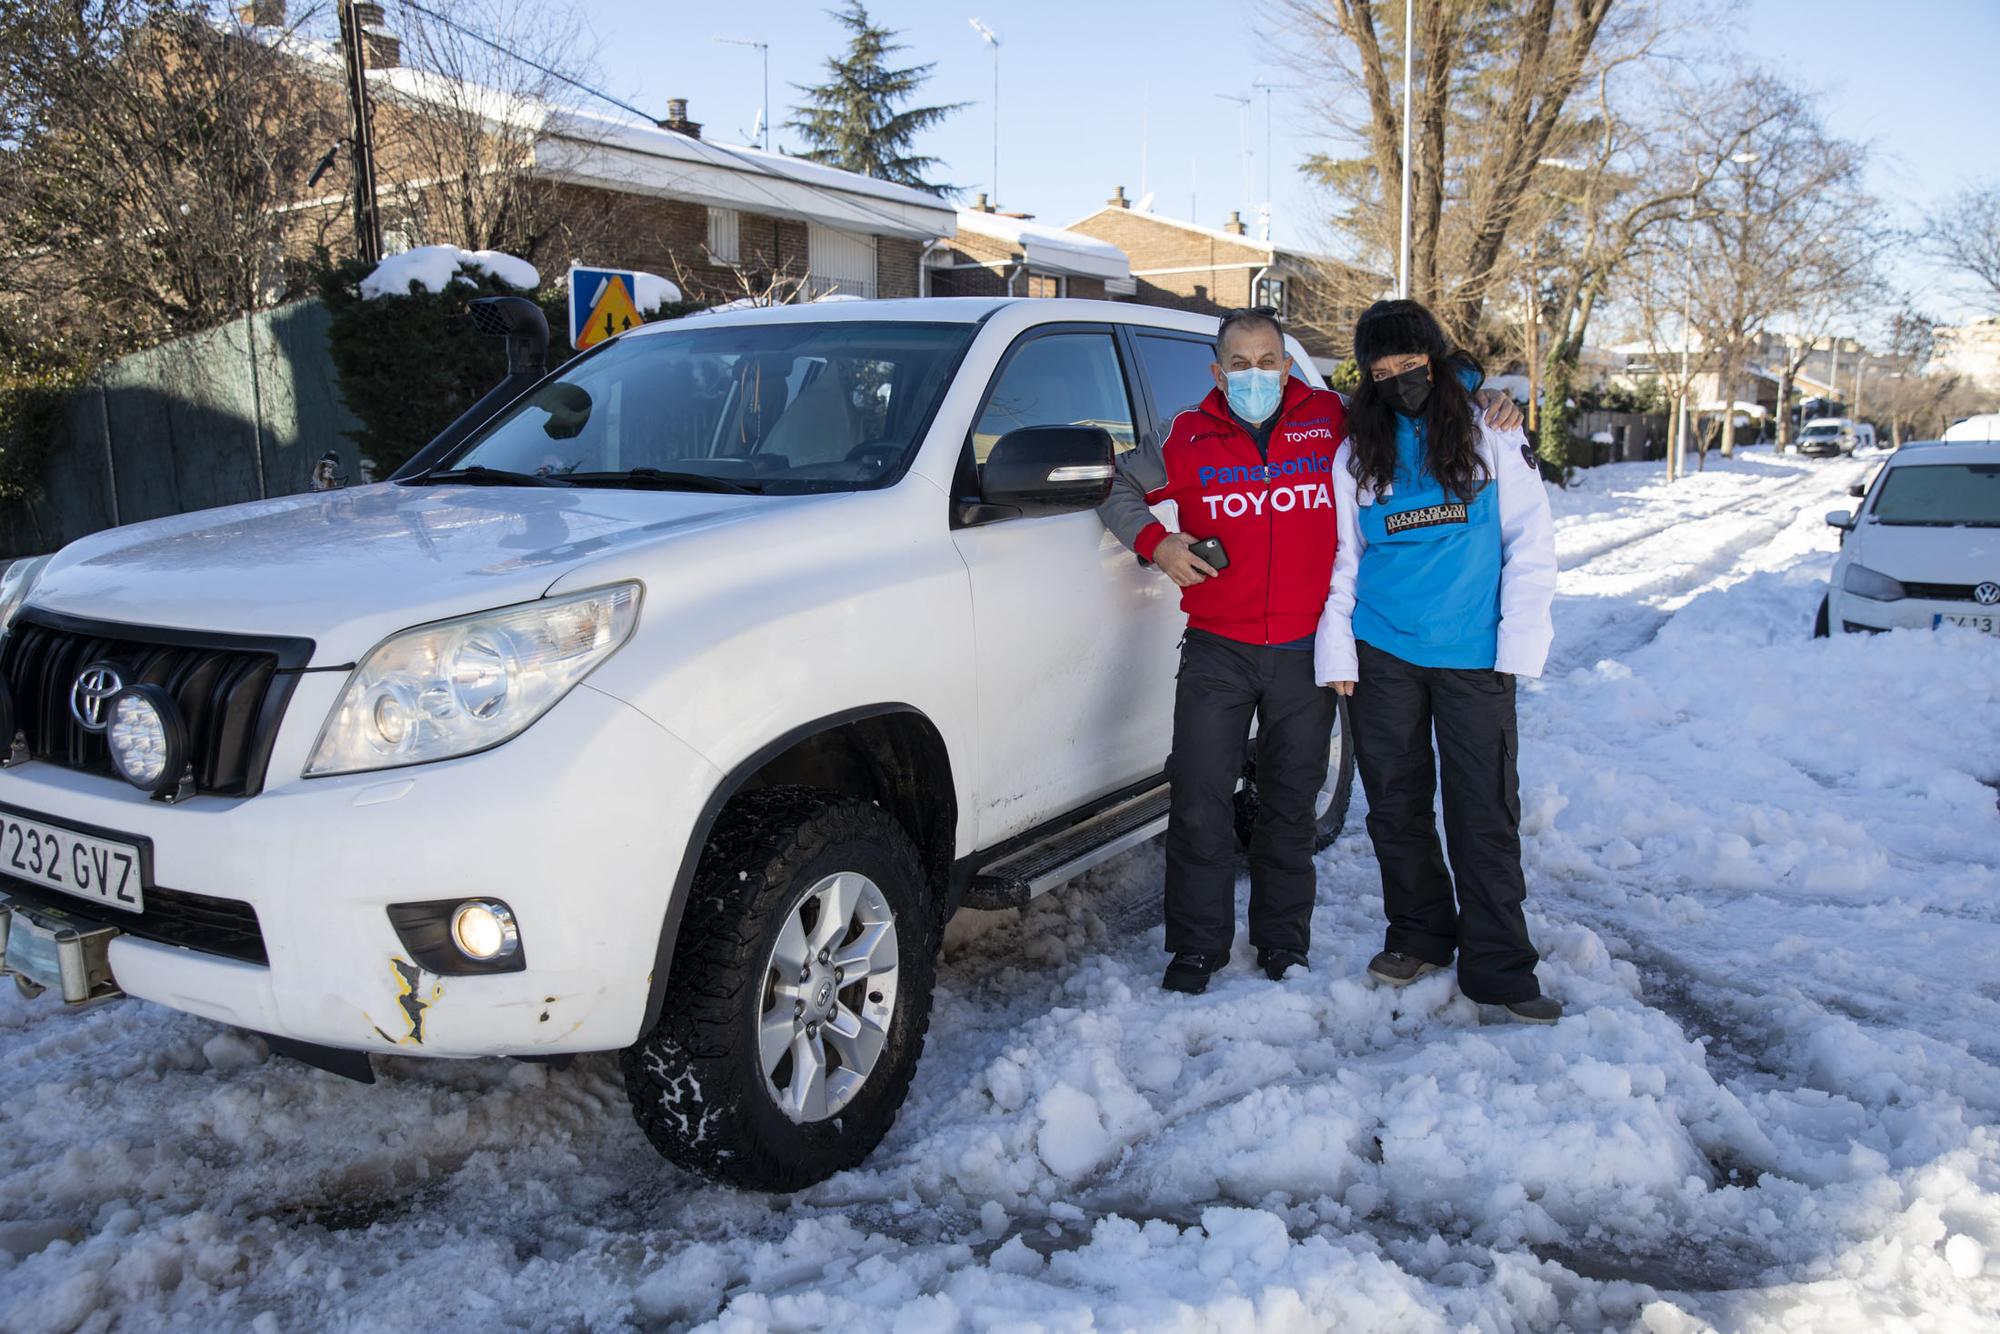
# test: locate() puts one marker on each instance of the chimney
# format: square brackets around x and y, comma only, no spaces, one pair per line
[1235,225]
[262,13]
[677,119]
[979,204]
[383,49]
[1118,199]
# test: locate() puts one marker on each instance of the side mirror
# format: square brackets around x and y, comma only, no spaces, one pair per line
[1841,519]
[1858,490]
[1049,469]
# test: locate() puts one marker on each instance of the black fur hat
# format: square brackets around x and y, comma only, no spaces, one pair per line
[1393,328]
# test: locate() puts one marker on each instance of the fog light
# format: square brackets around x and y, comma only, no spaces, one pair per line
[147,739]
[484,930]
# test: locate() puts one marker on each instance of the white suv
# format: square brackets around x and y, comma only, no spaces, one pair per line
[671,710]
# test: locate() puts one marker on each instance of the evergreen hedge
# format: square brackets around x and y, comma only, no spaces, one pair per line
[410,364]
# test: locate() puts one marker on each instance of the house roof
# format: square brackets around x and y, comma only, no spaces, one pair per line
[611,153]
[1213,233]
[1050,249]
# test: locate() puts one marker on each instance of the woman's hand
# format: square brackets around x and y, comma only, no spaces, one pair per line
[1341,687]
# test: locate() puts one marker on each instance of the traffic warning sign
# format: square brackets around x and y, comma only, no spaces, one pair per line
[601,305]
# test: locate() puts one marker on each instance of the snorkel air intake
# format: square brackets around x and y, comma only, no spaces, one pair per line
[521,323]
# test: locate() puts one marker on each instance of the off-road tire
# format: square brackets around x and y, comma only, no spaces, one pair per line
[1822,622]
[1331,823]
[694,1083]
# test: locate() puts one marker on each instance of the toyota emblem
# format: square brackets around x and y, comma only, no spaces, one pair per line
[1987,594]
[88,698]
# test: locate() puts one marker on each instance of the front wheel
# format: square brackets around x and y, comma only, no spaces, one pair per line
[1822,623]
[1330,805]
[799,996]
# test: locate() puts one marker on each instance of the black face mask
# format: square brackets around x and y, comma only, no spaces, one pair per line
[1407,393]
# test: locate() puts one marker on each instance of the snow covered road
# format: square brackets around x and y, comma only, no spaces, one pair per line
[1762,872]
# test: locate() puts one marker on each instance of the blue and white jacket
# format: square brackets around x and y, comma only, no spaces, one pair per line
[1436,582]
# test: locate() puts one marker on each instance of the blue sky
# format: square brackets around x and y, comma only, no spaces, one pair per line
[1094,94]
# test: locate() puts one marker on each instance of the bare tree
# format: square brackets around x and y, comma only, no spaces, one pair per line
[154,169]
[1783,221]
[458,126]
[1964,233]
[1495,82]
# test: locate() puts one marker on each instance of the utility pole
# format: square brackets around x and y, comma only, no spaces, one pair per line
[367,218]
[992,39]
[1409,63]
[764,112]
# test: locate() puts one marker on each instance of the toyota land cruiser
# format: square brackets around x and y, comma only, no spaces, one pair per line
[668,704]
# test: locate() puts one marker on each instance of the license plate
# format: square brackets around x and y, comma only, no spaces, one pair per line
[1989,622]
[104,870]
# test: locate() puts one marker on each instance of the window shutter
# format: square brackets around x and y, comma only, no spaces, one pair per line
[840,261]
[725,229]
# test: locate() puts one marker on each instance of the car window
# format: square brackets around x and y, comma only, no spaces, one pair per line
[1940,495]
[1177,369]
[1067,379]
[774,407]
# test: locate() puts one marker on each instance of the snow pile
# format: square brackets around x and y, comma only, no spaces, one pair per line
[653,292]
[433,267]
[1762,876]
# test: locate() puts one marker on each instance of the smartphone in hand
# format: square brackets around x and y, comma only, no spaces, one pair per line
[1210,549]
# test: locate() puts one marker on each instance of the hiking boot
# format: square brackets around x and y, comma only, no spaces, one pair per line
[1275,963]
[1189,972]
[1399,970]
[1540,1010]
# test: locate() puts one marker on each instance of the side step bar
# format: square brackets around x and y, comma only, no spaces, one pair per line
[1036,869]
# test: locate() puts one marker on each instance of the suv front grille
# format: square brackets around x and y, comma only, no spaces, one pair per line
[231,690]
[172,917]
[1939,592]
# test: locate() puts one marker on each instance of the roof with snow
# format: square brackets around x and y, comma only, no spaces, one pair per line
[589,149]
[1272,248]
[1050,249]
[611,153]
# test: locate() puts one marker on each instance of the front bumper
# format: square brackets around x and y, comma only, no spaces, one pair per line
[1848,612]
[578,824]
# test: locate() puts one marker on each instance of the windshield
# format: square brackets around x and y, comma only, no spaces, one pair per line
[1819,430]
[780,408]
[1940,495]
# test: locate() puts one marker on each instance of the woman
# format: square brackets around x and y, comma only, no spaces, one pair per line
[1442,582]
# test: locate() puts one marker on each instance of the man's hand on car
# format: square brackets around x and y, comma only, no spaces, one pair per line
[1502,412]
[1181,564]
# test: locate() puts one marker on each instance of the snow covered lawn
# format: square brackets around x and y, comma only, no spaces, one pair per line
[1762,872]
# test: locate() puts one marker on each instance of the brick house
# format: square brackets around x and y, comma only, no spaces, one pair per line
[722,220]
[1209,269]
[1009,254]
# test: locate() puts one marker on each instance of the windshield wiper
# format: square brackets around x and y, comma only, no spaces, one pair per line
[479,475]
[666,480]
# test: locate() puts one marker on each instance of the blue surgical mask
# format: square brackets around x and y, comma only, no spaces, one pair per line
[1254,394]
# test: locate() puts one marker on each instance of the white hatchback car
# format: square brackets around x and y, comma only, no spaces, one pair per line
[1923,550]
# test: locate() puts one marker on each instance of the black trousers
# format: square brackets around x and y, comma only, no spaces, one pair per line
[1222,685]
[1396,708]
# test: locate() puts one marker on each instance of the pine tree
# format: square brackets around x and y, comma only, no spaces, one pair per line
[852,121]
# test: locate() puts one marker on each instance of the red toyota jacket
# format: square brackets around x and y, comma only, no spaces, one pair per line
[1275,518]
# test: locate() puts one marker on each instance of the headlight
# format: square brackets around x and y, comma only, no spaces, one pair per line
[466,685]
[1866,583]
[16,583]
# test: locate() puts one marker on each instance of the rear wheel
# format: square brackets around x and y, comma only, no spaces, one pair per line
[799,996]
[1330,805]
[1822,626]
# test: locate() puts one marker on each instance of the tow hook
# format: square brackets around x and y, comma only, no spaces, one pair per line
[42,948]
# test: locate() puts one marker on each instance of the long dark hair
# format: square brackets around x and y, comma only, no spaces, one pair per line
[1451,453]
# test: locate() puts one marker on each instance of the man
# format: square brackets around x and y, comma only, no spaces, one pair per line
[1250,466]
